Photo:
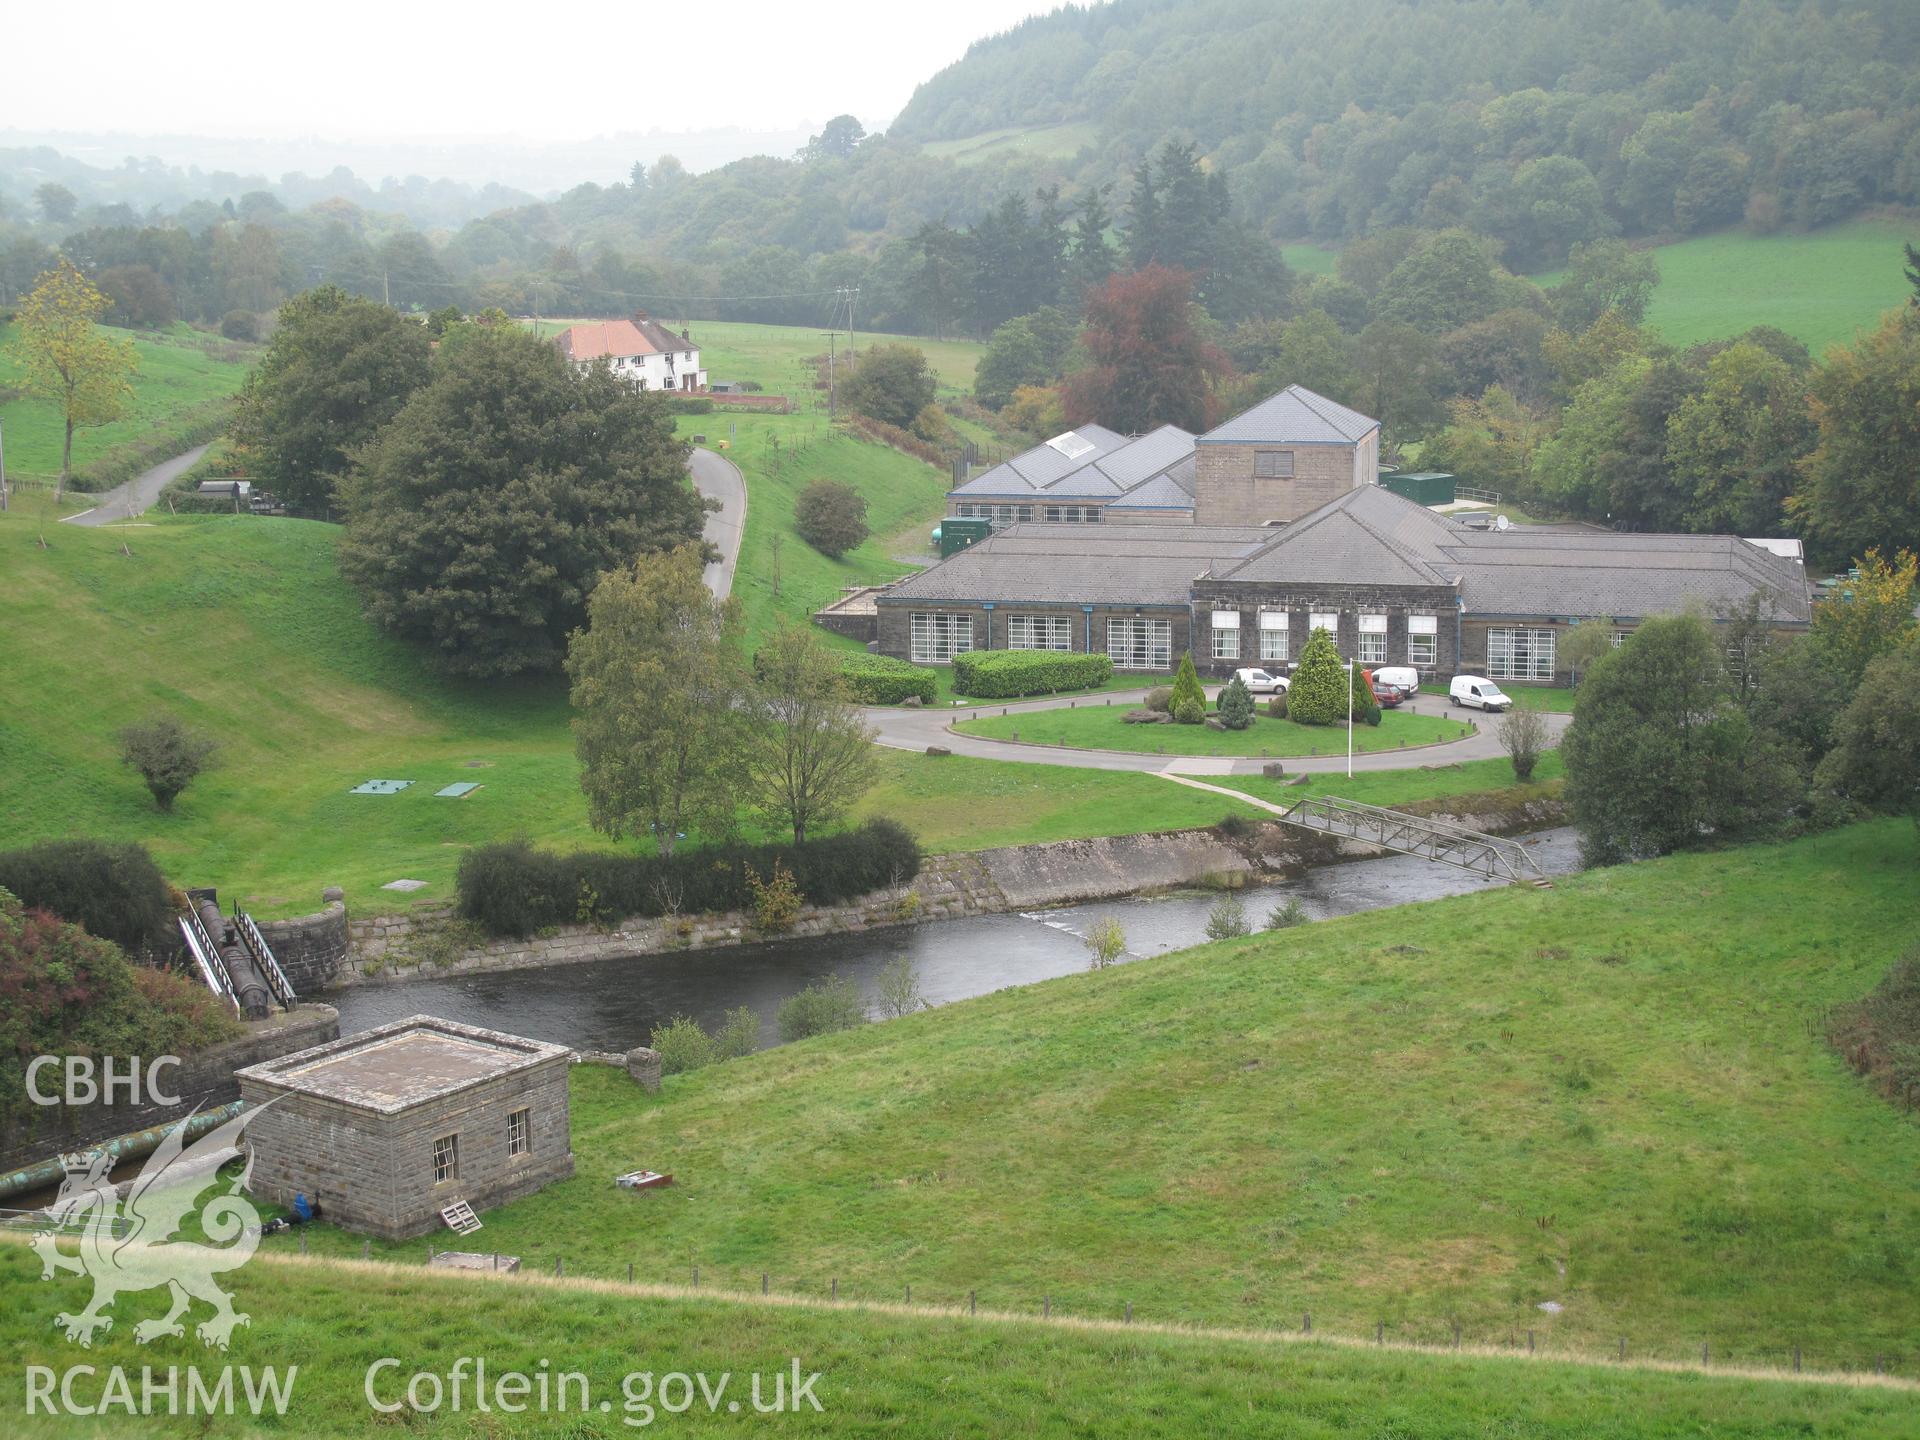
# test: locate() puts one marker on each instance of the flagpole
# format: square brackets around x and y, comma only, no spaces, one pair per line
[1350,679]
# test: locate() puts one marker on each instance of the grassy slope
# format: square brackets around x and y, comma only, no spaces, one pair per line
[1610,1095]
[1062,141]
[244,628]
[177,371]
[883,1373]
[1822,286]
[1102,728]
[1401,787]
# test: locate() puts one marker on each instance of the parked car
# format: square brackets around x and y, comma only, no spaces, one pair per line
[1388,694]
[1478,693]
[1263,682]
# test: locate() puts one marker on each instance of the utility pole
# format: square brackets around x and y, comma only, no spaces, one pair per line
[832,335]
[3,466]
[386,290]
[852,330]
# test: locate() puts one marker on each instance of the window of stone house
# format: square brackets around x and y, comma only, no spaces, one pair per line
[446,1159]
[519,1132]
[1273,464]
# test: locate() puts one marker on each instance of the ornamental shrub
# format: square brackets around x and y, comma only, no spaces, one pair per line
[1186,686]
[1160,698]
[1236,705]
[1318,695]
[511,888]
[1189,712]
[1366,708]
[883,680]
[1277,706]
[1007,674]
[834,1003]
[831,517]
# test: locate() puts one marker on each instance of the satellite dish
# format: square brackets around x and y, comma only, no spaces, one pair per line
[1500,522]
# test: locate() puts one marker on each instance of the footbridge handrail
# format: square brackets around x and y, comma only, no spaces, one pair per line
[1433,839]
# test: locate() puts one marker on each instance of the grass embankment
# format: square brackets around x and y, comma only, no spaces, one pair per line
[1101,727]
[894,1373]
[1613,1096]
[1469,779]
[181,372]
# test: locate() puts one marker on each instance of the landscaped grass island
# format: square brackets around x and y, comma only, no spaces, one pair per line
[1103,727]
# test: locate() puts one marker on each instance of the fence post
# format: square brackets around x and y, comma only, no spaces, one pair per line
[366,1249]
[1046,1307]
[558,1266]
[1379,1332]
[1129,1312]
[1623,1349]
[303,1242]
[429,1254]
[763,1282]
[1705,1353]
[1306,1322]
[971,1310]
[696,1277]
[1529,1342]
[909,1295]
[836,1287]
[629,1270]
[1456,1334]
[1796,1359]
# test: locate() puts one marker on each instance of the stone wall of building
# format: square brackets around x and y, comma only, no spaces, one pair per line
[1302,602]
[990,625]
[374,1173]
[202,1080]
[1226,491]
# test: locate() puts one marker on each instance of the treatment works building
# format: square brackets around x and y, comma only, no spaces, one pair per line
[1284,531]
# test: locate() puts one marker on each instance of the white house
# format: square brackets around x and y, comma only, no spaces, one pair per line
[641,351]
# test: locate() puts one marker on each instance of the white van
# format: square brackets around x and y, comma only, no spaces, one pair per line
[1478,693]
[1403,678]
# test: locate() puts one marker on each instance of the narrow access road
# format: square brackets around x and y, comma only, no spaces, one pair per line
[136,497]
[718,478]
[917,729]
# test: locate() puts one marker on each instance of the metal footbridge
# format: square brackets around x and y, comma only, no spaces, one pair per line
[1491,855]
[233,958]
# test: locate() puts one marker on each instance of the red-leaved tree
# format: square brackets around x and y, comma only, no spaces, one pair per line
[1149,366]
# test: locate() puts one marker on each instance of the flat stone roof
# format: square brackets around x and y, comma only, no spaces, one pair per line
[406,1063]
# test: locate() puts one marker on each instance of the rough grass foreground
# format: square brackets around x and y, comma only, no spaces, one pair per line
[882,1369]
[1613,1096]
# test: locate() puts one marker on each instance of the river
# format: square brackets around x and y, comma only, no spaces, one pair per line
[614,1004]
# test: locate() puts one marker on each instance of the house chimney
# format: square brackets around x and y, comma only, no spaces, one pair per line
[686,334]
[639,317]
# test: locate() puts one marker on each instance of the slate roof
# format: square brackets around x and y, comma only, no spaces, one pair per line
[601,338]
[1296,416]
[1081,564]
[1372,536]
[1111,466]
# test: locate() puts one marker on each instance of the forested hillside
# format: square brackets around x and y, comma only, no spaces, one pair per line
[1528,119]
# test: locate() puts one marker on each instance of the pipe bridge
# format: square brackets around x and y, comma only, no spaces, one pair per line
[1490,855]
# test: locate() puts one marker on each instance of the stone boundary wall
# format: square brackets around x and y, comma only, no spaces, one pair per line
[311,949]
[432,943]
[203,1080]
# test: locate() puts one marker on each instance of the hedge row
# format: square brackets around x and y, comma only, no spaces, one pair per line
[882,680]
[514,889]
[1004,674]
[201,424]
[113,888]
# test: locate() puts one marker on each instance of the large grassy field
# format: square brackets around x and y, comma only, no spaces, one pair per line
[1101,727]
[1062,142]
[918,1376]
[178,370]
[1611,1097]
[1822,287]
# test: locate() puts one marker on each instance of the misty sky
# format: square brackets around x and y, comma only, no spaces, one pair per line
[353,70]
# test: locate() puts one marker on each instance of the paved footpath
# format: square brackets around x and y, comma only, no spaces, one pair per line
[917,729]
[136,497]
[717,478]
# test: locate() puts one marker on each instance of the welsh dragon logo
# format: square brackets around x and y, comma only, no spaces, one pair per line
[128,1245]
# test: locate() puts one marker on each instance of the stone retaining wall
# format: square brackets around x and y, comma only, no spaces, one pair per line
[433,942]
[311,949]
[203,1080]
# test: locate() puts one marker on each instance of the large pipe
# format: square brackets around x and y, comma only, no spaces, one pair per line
[122,1147]
[249,986]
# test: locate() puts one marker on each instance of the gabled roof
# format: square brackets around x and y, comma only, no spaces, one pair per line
[1079,564]
[1296,416]
[1091,463]
[1372,536]
[601,338]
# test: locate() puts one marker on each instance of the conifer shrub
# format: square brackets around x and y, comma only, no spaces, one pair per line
[1318,695]
[1236,705]
[1186,686]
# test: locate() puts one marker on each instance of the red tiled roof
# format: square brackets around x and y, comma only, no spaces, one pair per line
[618,337]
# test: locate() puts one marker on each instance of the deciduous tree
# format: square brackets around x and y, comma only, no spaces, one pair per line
[831,517]
[1148,364]
[1860,485]
[65,359]
[893,383]
[167,754]
[811,755]
[657,690]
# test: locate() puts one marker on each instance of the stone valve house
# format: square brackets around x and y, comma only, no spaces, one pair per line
[387,1128]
